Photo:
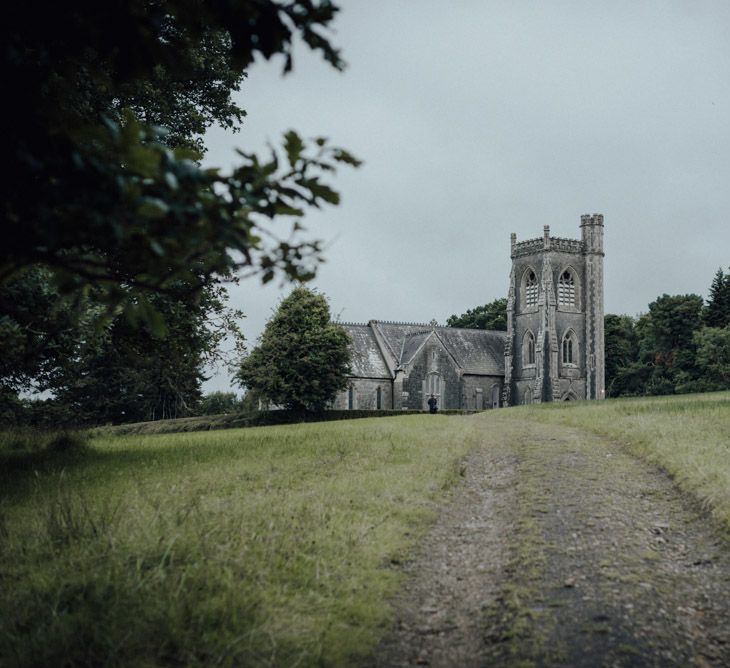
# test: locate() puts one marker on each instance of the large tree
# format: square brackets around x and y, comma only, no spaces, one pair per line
[302,359]
[129,370]
[97,196]
[492,316]
[106,207]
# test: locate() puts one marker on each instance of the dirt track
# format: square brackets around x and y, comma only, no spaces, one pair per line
[565,553]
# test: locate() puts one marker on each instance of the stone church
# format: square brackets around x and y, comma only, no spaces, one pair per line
[553,349]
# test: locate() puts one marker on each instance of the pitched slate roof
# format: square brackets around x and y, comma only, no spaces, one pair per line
[476,351]
[367,360]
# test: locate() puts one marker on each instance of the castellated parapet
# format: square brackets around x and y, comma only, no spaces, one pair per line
[555,344]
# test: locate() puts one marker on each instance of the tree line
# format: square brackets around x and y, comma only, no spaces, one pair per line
[681,344]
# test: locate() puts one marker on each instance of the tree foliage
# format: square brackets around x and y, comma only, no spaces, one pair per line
[717,311]
[113,235]
[98,196]
[623,370]
[217,403]
[666,350]
[713,356]
[302,359]
[135,373]
[491,316]
[38,326]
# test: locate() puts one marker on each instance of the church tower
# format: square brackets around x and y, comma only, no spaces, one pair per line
[555,346]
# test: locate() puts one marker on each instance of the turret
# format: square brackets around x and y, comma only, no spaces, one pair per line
[591,228]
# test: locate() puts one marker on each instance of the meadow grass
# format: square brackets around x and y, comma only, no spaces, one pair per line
[687,435]
[272,545]
[262,546]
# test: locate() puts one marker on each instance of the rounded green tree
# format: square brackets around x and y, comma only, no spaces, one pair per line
[302,359]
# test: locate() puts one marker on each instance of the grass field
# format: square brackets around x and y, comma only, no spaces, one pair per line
[272,545]
[266,546]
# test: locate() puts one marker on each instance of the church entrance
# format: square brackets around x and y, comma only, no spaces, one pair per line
[435,385]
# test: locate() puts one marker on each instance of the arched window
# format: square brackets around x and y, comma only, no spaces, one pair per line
[530,289]
[528,349]
[566,289]
[378,398]
[570,348]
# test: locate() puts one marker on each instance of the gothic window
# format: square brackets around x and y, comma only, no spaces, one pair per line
[434,383]
[378,398]
[528,349]
[530,288]
[566,289]
[570,348]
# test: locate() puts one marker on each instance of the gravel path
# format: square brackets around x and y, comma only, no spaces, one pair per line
[559,549]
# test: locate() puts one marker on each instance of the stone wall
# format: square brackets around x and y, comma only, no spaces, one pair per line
[365,395]
[476,391]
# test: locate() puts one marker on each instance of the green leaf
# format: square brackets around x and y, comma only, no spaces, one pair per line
[320,191]
[294,146]
[340,155]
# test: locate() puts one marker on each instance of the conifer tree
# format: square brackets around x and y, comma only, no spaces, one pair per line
[717,311]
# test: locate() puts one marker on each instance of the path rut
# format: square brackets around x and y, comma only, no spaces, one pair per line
[560,549]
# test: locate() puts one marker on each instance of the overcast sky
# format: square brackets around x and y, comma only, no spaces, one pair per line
[476,119]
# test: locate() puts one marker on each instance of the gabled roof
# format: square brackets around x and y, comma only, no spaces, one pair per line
[367,360]
[475,351]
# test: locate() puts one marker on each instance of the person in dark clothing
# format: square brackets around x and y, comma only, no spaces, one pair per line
[433,404]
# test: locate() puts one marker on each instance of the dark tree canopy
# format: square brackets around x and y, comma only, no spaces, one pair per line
[113,235]
[96,194]
[492,316]
[302,359]
[625,375]
[120,370]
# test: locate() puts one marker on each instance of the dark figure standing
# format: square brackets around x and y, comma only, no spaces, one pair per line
[433,404]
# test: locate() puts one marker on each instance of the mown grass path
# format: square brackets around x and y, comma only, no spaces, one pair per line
[561,549]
